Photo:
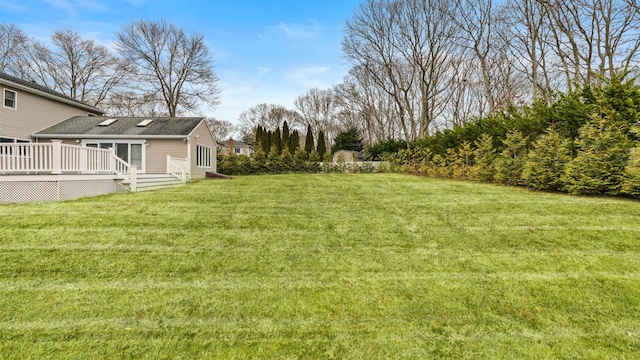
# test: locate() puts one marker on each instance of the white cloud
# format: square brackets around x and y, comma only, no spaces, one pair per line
[263,71]
[310,75]
[298,32]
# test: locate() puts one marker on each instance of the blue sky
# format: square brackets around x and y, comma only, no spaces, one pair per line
[266,51]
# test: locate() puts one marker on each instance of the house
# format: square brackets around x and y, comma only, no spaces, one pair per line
[239,148]
[53,147]
[145,142]
[28,107]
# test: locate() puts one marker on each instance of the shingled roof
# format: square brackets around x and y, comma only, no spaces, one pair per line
[38,89]
[130,127]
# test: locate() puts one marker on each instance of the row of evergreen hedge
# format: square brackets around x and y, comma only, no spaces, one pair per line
[299,162]
[586,143]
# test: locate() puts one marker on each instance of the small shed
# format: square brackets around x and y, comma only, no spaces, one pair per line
[348,156]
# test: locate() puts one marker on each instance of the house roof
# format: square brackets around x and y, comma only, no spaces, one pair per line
[40,90]
[89,127]
[236,143]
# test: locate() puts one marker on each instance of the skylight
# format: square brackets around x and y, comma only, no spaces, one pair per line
[107,122]
[145,122]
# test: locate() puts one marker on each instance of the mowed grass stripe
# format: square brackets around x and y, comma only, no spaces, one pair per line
[321,266]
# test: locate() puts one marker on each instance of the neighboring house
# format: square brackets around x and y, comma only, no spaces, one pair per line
[348,156]
[142,141]
[239,148]
[28,107]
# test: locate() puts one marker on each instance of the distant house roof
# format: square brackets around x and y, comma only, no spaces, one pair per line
[34,88]
[130,127]
[236,143]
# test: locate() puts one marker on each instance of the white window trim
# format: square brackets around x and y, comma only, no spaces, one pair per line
[209,158]
[15,99]
[122,141]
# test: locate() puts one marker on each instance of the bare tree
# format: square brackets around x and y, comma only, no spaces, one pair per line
[407,47]
[83,69]
[13,46]
[221,129]
[365,106]
[594,38]
[269,116]
[371,43]
[319,109]
[129,103]
[524,27]
[176,66]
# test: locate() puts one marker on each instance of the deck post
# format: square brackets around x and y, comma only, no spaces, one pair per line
[133,180]
[112,161]
[56,157]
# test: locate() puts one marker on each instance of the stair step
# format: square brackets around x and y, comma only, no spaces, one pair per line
[147,182]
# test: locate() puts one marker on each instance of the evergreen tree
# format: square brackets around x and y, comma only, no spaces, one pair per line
[631,182]
[258,139]
[276,141]
[300,156]
[273,155]
[510,162]
[266,141]
[294,142]
[347,140]
[285,137]
[546,162]
[308,144]
[322,147]
[314,156]
[259,156]
[463,164]
[603,150]
[484,155]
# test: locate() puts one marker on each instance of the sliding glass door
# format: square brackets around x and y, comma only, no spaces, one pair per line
[131,152]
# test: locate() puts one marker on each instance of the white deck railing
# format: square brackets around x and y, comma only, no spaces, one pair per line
[178,167]
[59,158]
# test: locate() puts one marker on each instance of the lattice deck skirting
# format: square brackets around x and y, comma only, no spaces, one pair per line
[48,188]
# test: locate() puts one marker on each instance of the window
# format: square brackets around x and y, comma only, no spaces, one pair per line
[145,123]
[9,99]
[236,150]
[203,156]
[107,122]
[21,151]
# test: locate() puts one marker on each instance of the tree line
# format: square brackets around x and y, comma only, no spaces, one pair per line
[156,69]
[420,66]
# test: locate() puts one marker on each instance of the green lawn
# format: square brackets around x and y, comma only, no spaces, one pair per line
[322,266]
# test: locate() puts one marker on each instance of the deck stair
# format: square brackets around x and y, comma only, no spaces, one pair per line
[147,182]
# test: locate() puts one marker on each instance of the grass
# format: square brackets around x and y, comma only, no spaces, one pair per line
[322,266]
